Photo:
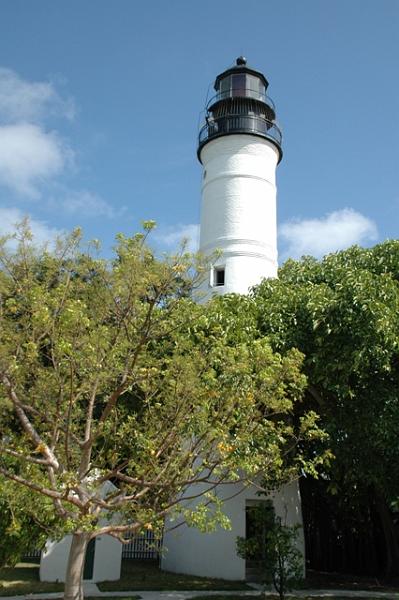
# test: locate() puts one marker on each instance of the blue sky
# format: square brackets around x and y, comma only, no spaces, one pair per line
[100,100]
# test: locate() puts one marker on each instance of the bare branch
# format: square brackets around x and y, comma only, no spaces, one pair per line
[23,457]
[40,489]
[26,424]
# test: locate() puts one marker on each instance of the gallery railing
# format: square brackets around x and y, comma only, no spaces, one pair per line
[240,124]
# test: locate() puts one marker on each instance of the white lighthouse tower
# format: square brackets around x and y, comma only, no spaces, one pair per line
[239,148]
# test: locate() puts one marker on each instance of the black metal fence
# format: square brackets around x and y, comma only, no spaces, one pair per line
[35,553]
[145,546]
[142,547]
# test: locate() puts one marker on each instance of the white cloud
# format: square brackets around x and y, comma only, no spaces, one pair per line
[22,100]
[42,233]
[88,204]
[318,237]
[170,237]
[29,156]
[32,158]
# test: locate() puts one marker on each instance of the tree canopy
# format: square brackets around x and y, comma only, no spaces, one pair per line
[342,313]
[109,371]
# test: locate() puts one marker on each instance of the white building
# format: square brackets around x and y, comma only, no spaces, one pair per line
[103,556]
[103,560]
[239,148]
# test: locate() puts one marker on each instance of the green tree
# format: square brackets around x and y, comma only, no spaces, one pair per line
[19,533]
[342,313]
[274,548]
[110,372]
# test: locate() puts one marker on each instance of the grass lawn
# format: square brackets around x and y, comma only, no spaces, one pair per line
[24,579]
[136,575]
[146,575]
[274,597]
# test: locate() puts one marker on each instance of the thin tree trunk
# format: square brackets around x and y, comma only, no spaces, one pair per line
[76,561]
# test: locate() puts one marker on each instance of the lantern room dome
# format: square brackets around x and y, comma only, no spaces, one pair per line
[240,105]
[242,77]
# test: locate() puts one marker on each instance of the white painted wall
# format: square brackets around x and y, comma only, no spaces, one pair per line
[238,212]
[107,559]
[187,550]
[107,555]
[53,561]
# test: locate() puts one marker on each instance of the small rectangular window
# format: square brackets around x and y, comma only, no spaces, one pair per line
[219,276]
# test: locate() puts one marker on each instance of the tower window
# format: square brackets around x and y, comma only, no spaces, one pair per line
[218,278]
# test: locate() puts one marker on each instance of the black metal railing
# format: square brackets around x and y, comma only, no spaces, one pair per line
[32,553]
[241,93]
[240,124]
[144,546]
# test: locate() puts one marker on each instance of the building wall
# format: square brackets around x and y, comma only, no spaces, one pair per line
[238,211]
[107,559]
[187,550]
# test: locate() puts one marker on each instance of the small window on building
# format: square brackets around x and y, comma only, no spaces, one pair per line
[218,278]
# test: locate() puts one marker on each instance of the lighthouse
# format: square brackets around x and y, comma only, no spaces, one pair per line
[239,148]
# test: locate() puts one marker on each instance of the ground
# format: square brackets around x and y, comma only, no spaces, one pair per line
[136,575]
[145,575]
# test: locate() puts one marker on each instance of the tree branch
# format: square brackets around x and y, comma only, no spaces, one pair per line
[26,424]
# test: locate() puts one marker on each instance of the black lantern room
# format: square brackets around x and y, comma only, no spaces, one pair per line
[240,106]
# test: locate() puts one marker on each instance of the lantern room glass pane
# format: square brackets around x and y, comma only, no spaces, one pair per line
[225,85]
[238,84]
[255,87]
[241,85]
